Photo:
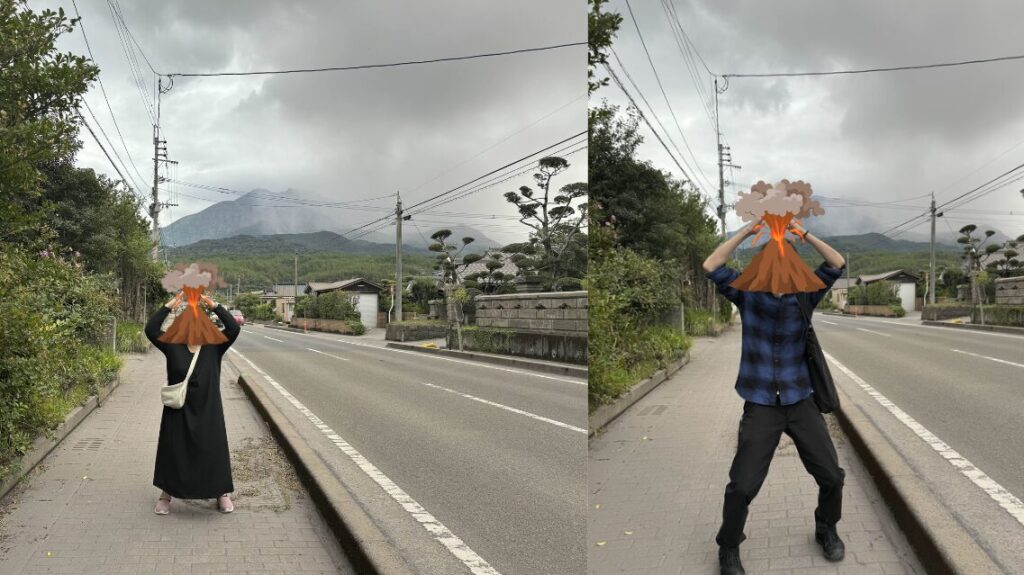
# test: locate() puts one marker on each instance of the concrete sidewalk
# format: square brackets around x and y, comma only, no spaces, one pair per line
[657,478]
[88,507]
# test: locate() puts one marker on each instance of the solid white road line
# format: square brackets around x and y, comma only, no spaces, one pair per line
[473,363]
[874,332]
[997,492]
[828,322]
[274,339]
[329,354]
[989,358]
[919,326]
[476,564]
[507,408]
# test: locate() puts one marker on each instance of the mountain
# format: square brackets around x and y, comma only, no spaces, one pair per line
[317,242]
[870,242]
[253,215]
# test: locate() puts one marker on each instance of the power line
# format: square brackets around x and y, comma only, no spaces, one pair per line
[132,184]
[100,144]
[687,50]
[373,66]
[661,87]
[129,53]
[871,70]
[103,90]
[120,16]
[643,117]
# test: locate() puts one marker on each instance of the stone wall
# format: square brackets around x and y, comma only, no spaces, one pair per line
[542,325]
[415,331]
[331,325]
[562,313]
[1010,291]
[939,313]
[876,310]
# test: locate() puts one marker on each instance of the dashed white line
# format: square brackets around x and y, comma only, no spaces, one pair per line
[507,408]
[919,326]
[989,358]
[997,492]
[476,564]
[274,339]
[874,332]
[328,354]
[828,322]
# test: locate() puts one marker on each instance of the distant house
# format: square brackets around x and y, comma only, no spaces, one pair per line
[363,294]
[904,285]
[841,291]
[282,298]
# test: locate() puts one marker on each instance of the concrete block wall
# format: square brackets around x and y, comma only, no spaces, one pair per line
[1010,291]
[551,313]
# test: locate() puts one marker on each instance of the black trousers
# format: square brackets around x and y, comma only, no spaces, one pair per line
[760,430]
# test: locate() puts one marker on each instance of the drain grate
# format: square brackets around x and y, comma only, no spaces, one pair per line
[88,444]
[652,410]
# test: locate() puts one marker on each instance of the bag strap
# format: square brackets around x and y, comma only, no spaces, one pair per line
[192,365]
[805,310]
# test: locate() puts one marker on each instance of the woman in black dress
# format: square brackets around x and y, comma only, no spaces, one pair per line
[192,458]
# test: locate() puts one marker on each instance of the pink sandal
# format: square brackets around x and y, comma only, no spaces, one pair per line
[161,508]
[228,508]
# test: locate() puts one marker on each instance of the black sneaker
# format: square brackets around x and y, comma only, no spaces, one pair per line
[729,561]
[832,546]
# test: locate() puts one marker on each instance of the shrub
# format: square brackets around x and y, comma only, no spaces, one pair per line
[56,348]
[356,326]
[897,309]
[699,322]
[130,338]
[1000,314]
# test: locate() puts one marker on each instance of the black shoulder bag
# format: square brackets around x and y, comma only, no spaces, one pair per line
[825,396]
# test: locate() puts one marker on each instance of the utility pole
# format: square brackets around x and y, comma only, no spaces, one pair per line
[721,173]
[295,289]
[398,258]
[931,263]
[159,155]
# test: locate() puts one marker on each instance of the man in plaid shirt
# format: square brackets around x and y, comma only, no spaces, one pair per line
[775,384]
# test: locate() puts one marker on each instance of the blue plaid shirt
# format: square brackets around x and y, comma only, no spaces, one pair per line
[772,364]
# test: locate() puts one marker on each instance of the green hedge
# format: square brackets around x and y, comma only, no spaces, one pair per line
[55,345]
[130,338]
[998,314]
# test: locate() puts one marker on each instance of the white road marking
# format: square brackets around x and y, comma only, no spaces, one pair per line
[989,358]
[274,339]
[828,322]
[507,408]
[919,326]
[325,353]
[476,564]
[997,492]
[431,356]
[874,332]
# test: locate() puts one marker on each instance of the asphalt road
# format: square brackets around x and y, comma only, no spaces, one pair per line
[963,386]
[498,457]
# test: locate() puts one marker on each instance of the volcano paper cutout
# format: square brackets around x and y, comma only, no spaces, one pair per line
[192,327]
[777,268]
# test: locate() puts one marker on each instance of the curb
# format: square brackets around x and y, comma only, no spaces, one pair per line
[605,414]
[976,327]
[369,550]
[570,370]
[42,445]
[940,542]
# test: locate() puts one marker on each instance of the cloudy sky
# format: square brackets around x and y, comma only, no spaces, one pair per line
[343,136]
[866,138]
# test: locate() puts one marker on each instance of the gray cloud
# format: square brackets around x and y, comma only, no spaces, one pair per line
[348,135]
[876,138]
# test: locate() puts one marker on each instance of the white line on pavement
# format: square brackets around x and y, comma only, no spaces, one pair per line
[997,492]
[828,322]
[874,332]
[989,358]
[325,353]
[507,408]
[473,363]
[274,339]
[476,564]
[431,356]
[919,326]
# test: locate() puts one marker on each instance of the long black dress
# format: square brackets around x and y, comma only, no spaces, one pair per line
[192,458]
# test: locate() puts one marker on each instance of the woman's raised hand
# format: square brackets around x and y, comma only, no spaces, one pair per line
[207,301]
[175,301]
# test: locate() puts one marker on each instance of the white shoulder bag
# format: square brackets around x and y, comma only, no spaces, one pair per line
[173,396]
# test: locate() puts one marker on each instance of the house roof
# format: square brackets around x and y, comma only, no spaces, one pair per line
[891,275]
[318,287]
[845,283]
[282,290]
